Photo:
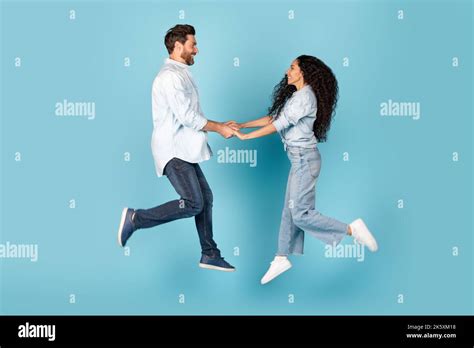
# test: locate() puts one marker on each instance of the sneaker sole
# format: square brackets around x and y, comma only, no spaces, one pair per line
[277,274]
[122,222]
[206,266]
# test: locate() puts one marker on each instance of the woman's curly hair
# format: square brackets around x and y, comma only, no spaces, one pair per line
[324,84]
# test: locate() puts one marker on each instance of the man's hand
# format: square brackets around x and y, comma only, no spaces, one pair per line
[218,127]
[225,131]
[234,125]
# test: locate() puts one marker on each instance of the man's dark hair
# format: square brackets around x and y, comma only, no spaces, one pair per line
[178,33]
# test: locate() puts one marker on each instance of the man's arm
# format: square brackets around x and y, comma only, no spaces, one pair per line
[179,99]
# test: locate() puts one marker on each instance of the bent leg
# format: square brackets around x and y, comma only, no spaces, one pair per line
[182,176]
[305,215]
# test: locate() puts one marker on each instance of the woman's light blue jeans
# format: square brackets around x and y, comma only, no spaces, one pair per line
[299,214]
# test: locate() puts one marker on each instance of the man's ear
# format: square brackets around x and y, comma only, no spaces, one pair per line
[178,46]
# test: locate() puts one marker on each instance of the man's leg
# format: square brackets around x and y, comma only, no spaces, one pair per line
[204,219]
[182,176]
[211,256]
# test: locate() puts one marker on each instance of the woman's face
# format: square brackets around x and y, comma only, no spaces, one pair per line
[294,74]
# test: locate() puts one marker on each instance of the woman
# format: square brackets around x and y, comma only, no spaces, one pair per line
[303,105]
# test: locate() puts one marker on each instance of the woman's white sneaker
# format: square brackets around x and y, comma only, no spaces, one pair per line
[279,265]
[362,234]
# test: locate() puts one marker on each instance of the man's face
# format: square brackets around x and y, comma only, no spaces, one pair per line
[189,49]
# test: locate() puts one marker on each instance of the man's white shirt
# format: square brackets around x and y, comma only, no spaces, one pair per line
[177,117]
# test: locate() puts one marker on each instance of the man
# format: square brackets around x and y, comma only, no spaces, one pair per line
[179,143]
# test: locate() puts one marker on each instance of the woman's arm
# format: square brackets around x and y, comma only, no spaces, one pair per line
[266,130]
[260,122]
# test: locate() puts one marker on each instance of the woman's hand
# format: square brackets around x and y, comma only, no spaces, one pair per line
[234,125]
[261,132]
[240,135]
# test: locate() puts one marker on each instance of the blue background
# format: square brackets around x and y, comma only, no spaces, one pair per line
[392,158]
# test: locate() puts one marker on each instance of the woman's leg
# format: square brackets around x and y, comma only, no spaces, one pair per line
[304,213]
[290,237]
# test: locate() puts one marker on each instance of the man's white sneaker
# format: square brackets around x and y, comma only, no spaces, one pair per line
[362,235]
[279,265]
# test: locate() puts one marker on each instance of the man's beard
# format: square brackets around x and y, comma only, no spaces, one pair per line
[188,58]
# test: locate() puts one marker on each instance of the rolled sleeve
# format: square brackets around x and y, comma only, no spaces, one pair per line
[180,100]
[281,123]
[294,110]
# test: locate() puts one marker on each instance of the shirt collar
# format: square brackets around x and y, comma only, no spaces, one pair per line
[176,63]
[305,87]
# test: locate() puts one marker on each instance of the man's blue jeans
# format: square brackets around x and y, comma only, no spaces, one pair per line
[299,214]
[196,200]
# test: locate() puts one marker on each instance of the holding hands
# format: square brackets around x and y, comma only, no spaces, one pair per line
[232,128]
[234,125]
[264,124]
[235,129]
[226,131]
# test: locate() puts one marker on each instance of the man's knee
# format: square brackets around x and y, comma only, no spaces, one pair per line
[194,206]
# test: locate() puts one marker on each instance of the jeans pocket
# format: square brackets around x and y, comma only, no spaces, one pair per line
[178,164]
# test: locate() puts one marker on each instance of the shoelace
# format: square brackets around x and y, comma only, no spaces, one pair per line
[222,259]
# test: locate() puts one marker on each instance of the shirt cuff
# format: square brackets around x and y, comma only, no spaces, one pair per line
[200,122]
[281,123]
